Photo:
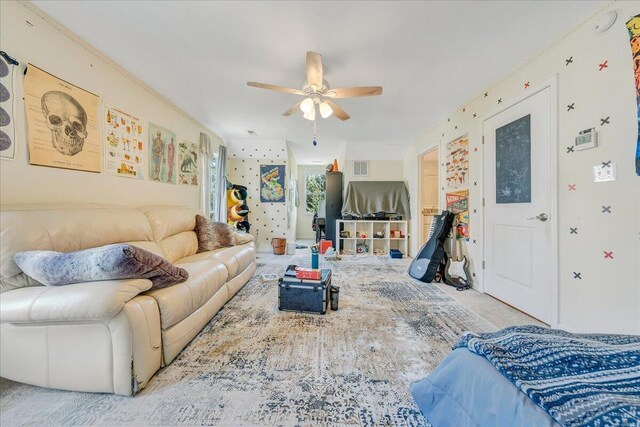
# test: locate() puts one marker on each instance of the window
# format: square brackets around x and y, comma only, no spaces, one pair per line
[213,188]
[315,186]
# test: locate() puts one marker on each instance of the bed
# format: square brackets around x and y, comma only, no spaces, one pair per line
[532,376]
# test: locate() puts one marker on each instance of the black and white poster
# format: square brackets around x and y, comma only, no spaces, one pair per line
[8,70]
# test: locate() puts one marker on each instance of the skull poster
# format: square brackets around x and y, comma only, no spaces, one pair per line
[62,123]
[162,154]
[8,67]
[125,146]
[188,161]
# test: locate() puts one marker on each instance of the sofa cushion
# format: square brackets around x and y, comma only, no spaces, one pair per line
[173,229]
[179,301]
[213,235]
[235,258]
[79,302]
[108,262]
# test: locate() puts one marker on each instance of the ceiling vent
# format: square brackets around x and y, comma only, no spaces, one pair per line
[252,132]
[360,168]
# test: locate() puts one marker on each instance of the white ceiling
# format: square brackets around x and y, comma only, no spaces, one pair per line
[430,58]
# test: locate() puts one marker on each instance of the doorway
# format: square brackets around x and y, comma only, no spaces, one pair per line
[520,229]
[429,191]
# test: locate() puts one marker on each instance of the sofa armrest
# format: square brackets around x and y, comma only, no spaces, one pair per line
[90,301]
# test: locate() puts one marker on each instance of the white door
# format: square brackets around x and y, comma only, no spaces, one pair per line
[518,201]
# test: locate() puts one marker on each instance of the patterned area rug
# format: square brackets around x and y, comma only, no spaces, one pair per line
[253,365]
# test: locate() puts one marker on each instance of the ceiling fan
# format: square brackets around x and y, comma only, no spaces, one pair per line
[317,92]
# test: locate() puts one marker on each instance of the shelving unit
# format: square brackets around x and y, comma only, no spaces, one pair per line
[374,245]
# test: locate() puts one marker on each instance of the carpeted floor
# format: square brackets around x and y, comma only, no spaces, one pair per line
[253,365]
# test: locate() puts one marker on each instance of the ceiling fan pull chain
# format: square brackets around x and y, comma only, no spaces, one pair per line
[315,134]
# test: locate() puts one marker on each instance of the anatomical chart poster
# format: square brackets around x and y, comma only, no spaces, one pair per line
[457,163]
[188,161]
[62,122]
[458,203]
[162,154]
[8,67]
[125,147]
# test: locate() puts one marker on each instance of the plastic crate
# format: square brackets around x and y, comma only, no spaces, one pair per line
[394,253]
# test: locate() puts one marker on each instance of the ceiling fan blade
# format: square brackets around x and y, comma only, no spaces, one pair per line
[292,110]
[337,111]
[276,88]
[314,69]
[354,92]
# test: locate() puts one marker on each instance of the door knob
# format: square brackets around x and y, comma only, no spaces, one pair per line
[542,217]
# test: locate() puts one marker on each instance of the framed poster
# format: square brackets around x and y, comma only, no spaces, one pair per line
[272,184]
[188,161]
[125,148]
[62,123]
[633,25]
[457,163]
[162,154]
[458,203]
[8,70]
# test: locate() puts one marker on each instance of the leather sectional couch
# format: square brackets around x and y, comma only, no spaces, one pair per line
[108,336]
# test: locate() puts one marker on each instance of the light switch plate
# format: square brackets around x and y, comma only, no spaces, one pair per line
[604,173]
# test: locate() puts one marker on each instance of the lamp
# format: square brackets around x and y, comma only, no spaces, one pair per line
[325,110]
[307,105]
[310,115]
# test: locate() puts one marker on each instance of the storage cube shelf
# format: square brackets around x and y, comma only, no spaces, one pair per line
[362,240]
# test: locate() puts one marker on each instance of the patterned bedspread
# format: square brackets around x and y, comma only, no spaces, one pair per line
[579,379]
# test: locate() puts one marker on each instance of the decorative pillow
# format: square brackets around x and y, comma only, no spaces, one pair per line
[120,261]
[213,235]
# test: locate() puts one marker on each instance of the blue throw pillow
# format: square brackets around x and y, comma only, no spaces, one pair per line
[120,261]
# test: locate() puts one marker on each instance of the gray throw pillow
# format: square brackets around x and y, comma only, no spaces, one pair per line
[120,261]
[213,235]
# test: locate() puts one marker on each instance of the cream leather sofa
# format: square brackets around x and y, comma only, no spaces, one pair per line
[108,336]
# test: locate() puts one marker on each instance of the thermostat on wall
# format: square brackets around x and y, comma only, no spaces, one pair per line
[587,139]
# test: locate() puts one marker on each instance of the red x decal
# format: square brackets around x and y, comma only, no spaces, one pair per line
[475,149]
[526,85]
[608,254]
[572,187]
[603,65]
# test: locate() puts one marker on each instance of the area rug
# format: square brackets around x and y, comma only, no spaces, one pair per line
[253,365]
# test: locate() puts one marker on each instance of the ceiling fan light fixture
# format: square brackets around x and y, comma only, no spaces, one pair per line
[311,115]
[307,105]
[325,110]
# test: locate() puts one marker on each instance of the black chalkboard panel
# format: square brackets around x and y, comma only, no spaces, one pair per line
[513,162]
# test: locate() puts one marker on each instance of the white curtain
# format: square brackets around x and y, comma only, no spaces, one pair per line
[221,184]
[205,174]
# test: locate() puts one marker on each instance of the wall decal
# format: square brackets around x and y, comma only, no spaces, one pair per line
[486,94]
[188,172]
[526,85]
[457,162]
[125,148]
[162,157]
[499,100]
[474,115]
[8,71]
[62,123]
[603,65]
[458,203]
[606,164]
[571,107]
[272,184]
[464,109]
[577,275]
[605,121]
[475,149]
[633,25]
[606,209]
[513,161]
[572,187]
[608,254]
[573,230]
[570,149]
[568,61]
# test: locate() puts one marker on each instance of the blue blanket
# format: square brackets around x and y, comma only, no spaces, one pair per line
[579,379]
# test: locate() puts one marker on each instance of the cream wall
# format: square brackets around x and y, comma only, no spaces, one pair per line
[49,46]
[607,297]
[379,170]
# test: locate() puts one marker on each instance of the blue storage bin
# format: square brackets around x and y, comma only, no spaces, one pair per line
[394,253]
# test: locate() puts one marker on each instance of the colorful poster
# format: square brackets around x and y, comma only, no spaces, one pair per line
[188,161]
[62,122]
[458,203]
[457,164]
[272,184]
[125,147]
[162,154]
[633,25]
[8,67]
